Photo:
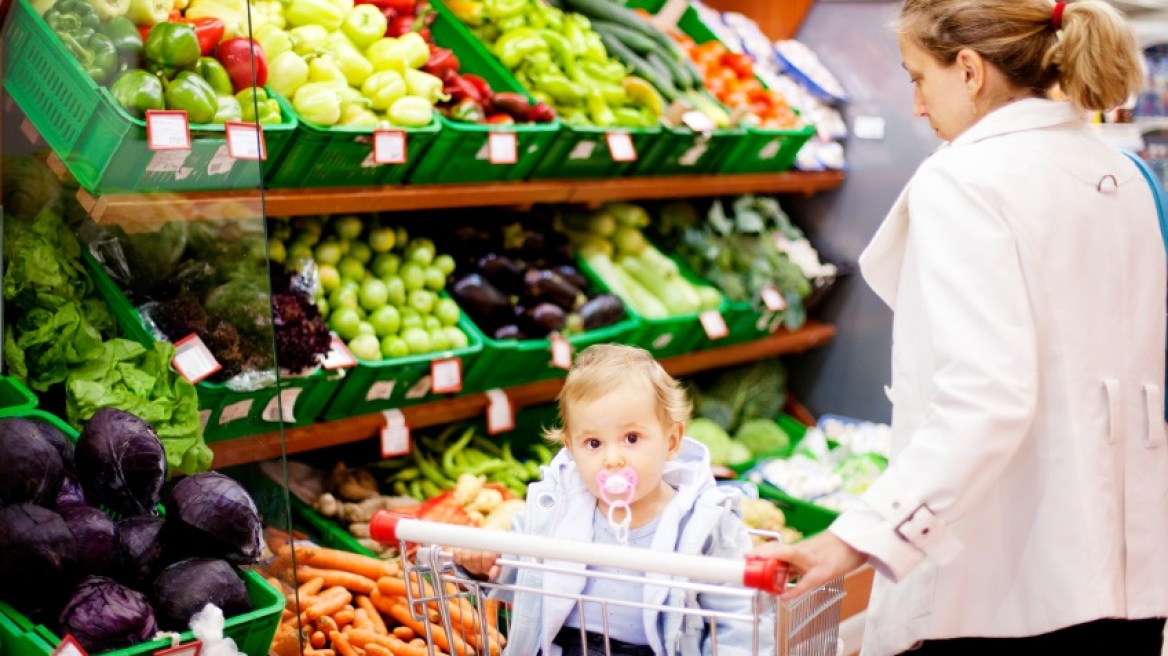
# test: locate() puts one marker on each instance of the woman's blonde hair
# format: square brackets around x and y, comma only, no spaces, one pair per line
[1093,59]
[602,368]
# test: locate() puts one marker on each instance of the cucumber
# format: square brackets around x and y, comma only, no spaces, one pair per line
[635,40]
[640,66]
[611,12]
[678,72]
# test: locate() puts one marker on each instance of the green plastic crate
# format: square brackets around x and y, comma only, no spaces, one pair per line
[681,151]
[459,153]
[376,385]
[15,398]
[226,413]
[759,150]
[103,146]
[342,156]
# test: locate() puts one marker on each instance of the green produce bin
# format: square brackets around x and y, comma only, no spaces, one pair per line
[681,151]
[342,156]
[102,145]
[228,414]
[759,150]
[510,362]
[460,152]
[252,631]
[15,398]
[376,385]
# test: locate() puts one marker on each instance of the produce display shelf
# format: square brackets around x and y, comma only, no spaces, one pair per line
[265,446]
[145,209]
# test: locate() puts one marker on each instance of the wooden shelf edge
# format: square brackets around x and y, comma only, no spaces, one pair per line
[162,207]
[324,434]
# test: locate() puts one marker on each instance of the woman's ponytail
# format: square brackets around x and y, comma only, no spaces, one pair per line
[1096,55]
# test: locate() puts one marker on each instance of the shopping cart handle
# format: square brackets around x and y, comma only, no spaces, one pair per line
[766,574]
[383,526]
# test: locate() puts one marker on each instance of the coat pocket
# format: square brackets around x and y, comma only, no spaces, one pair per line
[1154,403]
[1114,412]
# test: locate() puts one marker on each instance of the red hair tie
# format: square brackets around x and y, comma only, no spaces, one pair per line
[1056,18]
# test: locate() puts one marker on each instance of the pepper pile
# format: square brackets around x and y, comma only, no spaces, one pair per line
[730,77]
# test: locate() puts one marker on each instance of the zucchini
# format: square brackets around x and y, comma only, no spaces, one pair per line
[611,12]
[640,66]
[635,40]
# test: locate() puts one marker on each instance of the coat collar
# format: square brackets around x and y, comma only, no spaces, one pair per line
[1020,116]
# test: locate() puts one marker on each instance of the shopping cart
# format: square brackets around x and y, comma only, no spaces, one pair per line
[460,614]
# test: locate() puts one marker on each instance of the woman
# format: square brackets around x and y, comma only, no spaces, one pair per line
[1025,509]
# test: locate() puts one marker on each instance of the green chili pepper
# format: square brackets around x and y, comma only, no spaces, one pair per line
[94,51]
[138,91]
[594,49]
[561,88]
[514,46]
[214,74]
[513,23]
[627,117]
[257,106]
[193,94]
[171,47]
[561,50]
[124,34]
[611,71]
[498,9]
[598,110]
[573,30]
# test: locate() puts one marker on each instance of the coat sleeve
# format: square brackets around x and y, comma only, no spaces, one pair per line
[982,393]
[731,540]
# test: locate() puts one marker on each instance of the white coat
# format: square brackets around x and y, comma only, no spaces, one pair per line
[1028,487]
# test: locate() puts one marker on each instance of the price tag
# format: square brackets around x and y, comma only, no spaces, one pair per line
[204,417]
[561,352]
[663,340]
[245,140]
[420,389]
[446,376]
[167,130]
[235,412]
[395,435]
[698,121]
[502,148]
[191,648]
[620,146]
[69,647]
[772,299]
[282,407]
[714,324]
[500,413]
[389,147]
[339,356]
[382,390]
[193,360]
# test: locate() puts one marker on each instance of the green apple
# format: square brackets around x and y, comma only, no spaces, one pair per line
[393,346]
[457,338]
[413,275]
[327,252]
[435,279]
[447,311]
[344,297]
[420,251]
[445,264]
[361,252]
[431,323]
[330,278]
[400,236]
[348,227]
[422,300]
[323,306]
[365,328]
[385,265]
[365,347]
[417,339]
[373,294]
[382,240]
[299,251]
[396,289]
[346,323]
[438,339]
[276,251]
[411,322]
[281,230]
[361,312]
[308,225]
[349,283]
[386,320]
[352,269]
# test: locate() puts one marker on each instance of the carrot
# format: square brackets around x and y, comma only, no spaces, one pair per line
[310,588]
[344,616]
[400,613]
[325,606]
[317,639]
[328,624]
[367,566]
[286,642]
[374,649]
[341,644]
[366,604]
[399,648]
[361,619]
[365,638]
[319,652]
[335,577]
[392,586]
[404,633]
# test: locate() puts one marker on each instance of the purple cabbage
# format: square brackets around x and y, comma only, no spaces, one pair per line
[140,541]
[212,516]
[121,463]
[31,468]
[103,614]
[98,549]
[38,556]
[184,588]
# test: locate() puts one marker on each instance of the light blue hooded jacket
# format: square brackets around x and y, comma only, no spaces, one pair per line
[701,519]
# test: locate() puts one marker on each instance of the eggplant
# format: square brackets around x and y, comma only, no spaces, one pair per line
[509,331]
[473,292]
[602,310]
[572,275]
[548,316]
[547,285]
[501,272]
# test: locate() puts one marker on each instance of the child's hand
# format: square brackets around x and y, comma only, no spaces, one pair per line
[479,563]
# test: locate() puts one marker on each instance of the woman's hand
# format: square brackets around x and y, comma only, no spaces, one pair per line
[478,563]
[816,560]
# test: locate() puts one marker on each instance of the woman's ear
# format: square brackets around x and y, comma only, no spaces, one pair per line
[973,70]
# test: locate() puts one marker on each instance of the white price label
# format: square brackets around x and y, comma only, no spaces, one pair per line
[500,413]
[773,299]
[620,146]
[193,360]
[389,147]
[502,147]
[282,407]
[191,648]
[395,434]
[582,150]
[698,121]
[382,390]
[420,388]
[561,352]
[714,324]
[69,647]
[446,376]
[339,356]
[204,417]
[245,140]
[235,411]
[663,340]
[167,130]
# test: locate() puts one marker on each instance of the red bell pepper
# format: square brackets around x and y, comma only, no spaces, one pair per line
[208,30]
[482,85]
[402,6]
[442,61]
[237,55]
[459,89]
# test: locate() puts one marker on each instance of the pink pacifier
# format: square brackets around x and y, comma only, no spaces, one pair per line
[616,490]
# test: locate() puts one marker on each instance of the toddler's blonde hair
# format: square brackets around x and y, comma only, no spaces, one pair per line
[601,368]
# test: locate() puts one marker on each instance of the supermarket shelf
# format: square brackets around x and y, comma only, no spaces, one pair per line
[267,445]
[148,208]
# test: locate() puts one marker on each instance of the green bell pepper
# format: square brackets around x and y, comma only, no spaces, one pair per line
[425,86]
[230,109]
[124,34]
[138,91]
[323,68]
[356,116]
[71,15]
[258,107]
[318,103]
[171,47]
[364,25]
[107,9]
[287,73]
[94,51]
[352,64]
[383,88]
[215,75]
[273,40]
[314,12]
[307,39]
[192,94]
[411,112]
